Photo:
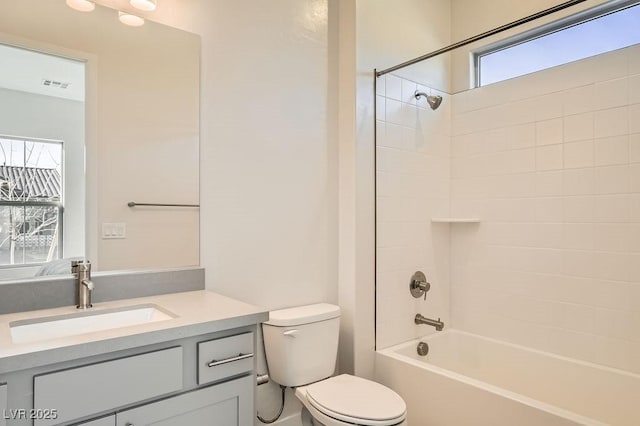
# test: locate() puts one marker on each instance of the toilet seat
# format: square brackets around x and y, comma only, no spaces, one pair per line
[354,400]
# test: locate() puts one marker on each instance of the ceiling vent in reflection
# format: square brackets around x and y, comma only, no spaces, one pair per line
[55,84]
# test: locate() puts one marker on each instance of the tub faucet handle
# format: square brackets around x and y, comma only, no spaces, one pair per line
[419,286]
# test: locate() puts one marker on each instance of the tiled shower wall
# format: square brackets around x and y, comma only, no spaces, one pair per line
[413,185]
[551,164]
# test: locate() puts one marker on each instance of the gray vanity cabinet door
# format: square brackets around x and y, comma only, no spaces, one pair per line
[3,404]
[225,404]
[105,421]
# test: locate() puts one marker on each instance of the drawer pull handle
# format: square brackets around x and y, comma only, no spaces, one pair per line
[216,363]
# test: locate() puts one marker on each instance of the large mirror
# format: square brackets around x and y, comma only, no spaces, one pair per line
[94,116]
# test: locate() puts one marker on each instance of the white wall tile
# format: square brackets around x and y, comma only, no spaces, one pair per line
[634,89]
[380,108]
[578,209]
[549,184]
[549,209]
[579,100]
[549,132]
[612,93]
[612,180]
[634,148]
[612,151]
[393,112]
[634,178]
[549,157]
[574,317]
[522,136]
[408,91]
[578,236]
[578,182]
[579,263]
[611,122]
[633,55]
[548,107]
[393,87]
[634,118]
[578,127]
[613,236]
[381,85]
[566,231]
[578,155]
[611,208]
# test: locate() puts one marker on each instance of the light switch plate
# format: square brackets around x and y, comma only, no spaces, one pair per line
[112,231]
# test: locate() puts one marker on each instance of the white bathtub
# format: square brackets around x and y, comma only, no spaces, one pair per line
[471,380]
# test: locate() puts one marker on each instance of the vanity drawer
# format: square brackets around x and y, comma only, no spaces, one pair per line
[95,388]
[225,357]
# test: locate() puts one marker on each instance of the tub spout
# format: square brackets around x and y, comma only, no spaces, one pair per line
[439,325]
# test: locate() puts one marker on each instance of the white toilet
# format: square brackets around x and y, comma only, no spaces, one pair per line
[301,345]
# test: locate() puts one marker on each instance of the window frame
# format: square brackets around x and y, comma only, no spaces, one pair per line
[59,205]
[543,30]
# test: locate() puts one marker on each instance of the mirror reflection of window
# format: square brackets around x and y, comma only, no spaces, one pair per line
[41,140]
[30,201]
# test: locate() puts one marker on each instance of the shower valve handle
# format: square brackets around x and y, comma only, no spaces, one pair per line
[419,286]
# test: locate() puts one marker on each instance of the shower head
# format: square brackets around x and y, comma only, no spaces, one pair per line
[434,101]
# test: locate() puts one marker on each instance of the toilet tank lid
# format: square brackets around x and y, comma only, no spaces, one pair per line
[303,314]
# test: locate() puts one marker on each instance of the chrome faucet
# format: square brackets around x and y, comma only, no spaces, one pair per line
[439,325]
[85,285]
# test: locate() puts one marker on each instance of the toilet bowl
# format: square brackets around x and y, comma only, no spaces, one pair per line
[350,400]
[301,347]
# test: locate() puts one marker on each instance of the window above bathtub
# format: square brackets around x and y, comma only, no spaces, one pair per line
[612,26]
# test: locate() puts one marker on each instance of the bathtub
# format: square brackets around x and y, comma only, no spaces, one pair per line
[467,379]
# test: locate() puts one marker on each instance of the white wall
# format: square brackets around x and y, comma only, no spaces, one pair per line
[268,161]
[37,116]
[550,163]
[386,33]
[413,186]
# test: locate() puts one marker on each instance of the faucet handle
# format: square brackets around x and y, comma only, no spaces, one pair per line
[419,286]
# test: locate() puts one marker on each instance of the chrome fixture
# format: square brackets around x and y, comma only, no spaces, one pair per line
[419,285]
[423,349]
[433,101]
[85,285]
[262,379]
[439,325]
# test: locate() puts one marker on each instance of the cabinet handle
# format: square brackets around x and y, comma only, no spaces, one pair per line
[128,424]
[216,363]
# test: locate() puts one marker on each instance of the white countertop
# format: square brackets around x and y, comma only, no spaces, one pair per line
[197,312]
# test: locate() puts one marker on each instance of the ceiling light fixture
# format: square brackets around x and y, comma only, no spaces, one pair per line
[81,5]
[129,19]
[146,5]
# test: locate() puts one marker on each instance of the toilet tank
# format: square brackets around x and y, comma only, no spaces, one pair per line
[301,343]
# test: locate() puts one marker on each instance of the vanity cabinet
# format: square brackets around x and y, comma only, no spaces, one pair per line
[204,380]
[229,404]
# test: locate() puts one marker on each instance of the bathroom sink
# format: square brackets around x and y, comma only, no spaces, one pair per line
[46,328]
